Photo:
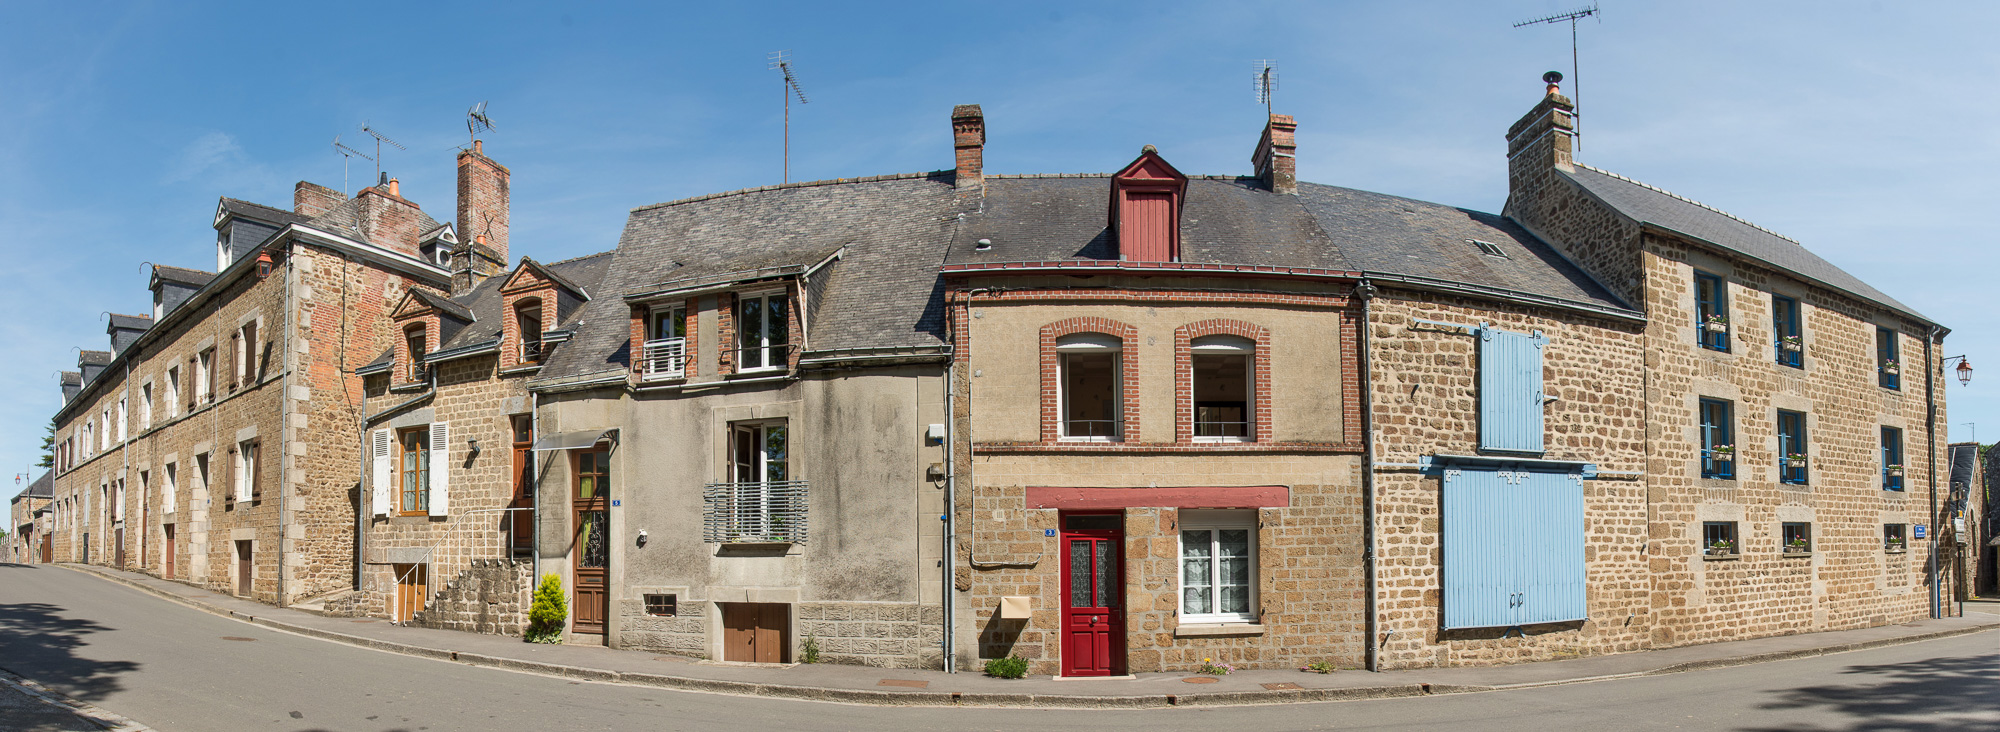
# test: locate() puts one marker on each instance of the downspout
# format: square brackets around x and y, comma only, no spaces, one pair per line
[950,509]
[1366,292]
[1930,459]
[535,507]
[284,428]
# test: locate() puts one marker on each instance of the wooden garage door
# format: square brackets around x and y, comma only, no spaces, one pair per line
[755,632]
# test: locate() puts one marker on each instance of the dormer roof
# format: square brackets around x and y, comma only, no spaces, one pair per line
[229,208]
[422,302]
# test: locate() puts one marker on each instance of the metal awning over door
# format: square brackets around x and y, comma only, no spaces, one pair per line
[574,440]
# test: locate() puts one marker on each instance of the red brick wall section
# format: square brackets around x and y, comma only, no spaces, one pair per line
[692,318]
[1350,372]
[1260,361]
[725,315]
[1128,373]
[796,336]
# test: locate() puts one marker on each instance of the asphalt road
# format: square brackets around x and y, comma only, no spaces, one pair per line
[178,670]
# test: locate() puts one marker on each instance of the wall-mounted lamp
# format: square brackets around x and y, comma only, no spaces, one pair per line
[1964,368]
[642,537]
[473,444]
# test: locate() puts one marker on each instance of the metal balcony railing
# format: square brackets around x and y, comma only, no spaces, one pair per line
[1221,429]
[663,358]
[1096,429]
[532,351]
[772,511]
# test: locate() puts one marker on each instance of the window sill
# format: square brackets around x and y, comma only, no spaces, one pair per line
[412,386]
[1895,551]
[759,371]
[1202,630]
[1091,440]
[1224,440]
[1796,555]
[1720,557]
[523,369]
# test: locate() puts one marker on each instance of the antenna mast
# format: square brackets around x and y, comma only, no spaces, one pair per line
[346,154]
[379,139]
[781,60]
[1576,84]
[476,121]
[1265,81]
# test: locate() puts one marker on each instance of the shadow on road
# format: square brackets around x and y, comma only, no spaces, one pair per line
[1941,694]
[37,643]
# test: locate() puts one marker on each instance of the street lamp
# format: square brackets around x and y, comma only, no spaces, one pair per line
[1964,368]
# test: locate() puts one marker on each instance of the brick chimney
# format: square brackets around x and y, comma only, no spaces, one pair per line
[968,132]
[1276,156]
[484,202]
[387,219]
[312,201]
[1540,143]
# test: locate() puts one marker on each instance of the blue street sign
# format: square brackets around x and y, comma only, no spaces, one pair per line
[614,504]
[1920,531]
[1048,532]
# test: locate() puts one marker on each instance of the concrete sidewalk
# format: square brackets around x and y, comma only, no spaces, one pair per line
[913,687]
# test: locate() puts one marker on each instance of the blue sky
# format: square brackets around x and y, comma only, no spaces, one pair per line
[1864,130]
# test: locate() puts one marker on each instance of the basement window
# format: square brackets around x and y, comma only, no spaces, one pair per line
[1488,248]
[665,606]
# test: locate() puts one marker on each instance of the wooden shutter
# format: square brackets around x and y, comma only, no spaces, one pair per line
[252,350]
[194,364]
[1513,547]
[440,469]
[379,482]
[1510,391]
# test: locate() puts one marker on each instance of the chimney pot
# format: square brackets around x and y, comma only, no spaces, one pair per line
[395,188]
[478,147]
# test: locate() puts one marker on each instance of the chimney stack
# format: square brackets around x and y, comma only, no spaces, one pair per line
[1276,157]
[313,201]
[1540,142]
[483,219]
[387,219]
[968,131]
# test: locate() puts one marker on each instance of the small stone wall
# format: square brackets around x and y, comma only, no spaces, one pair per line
[873,634]
[490,597]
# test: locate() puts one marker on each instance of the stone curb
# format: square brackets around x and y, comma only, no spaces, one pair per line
[991,699]
[85,711]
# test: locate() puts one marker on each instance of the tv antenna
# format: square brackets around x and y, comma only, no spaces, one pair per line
[379,139]
[476,120]
[781,60]
[1576,86]
[346,154]
[1266,81]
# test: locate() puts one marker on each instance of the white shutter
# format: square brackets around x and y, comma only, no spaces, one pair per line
[382,472]
[440,469]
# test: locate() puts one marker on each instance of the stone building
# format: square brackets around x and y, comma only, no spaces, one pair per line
[1791,414]
[741,462]
[28,522]
[217,442]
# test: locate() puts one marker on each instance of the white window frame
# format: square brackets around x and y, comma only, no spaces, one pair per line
[775,361]
[1213,521]
[245,468]
[146,406]
[1090,343]
[173,392]
[104,434]
[118,501]
[758,492]
[204,365]
[169,491]
[123,409]
[1226,345]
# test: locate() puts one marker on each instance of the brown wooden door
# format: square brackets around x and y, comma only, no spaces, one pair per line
[118,546]
[756,632]
[412,589]
[167,551]
[1093,624]
[48,550]
[521,521]
[243,568]
[592,570]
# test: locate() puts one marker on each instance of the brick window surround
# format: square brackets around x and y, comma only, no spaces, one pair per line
[1260,383]
[1128,375]
[725,311]
[642,316]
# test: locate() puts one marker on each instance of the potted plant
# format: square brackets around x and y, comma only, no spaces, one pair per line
[1889,366]
[1894,543]
[1722,453]
[1792,343]
[1795,460]
[1895,471]
[1721,548]
[1716,323]
[1796,546]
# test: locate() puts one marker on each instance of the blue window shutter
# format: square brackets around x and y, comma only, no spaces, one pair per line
[1479,578]
[1552,572]
[1510,391]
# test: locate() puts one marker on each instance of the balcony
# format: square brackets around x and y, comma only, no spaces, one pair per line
[532,351]
[664,358]
[756,513]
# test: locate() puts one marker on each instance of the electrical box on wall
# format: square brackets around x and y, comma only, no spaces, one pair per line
[1016,608]
[935,434]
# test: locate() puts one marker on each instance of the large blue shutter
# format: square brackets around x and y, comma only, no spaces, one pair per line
[1510,391]
[1513,547]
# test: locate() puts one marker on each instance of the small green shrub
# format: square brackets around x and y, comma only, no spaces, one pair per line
[812,648]
[1209,666]
[547,613]
[1318,667]
[1011,667]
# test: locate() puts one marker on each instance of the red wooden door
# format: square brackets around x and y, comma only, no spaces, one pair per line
[592,570]
[1093,624]
[167,551]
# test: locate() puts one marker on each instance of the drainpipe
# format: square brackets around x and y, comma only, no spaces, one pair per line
[1366,292]
[535,506]
[284,426]
[1930,458]
[950,506]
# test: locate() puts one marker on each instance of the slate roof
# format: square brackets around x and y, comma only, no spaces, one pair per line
[183,275]
[884,291]
[261,212]
[72,378]
[345,218]
[483,302]
[1649,205]
[444,304]
[130,322]
[94,358]
[43,487]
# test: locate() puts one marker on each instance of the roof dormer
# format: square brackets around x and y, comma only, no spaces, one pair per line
[1146,209]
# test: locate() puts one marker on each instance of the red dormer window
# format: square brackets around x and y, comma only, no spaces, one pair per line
[1146,209]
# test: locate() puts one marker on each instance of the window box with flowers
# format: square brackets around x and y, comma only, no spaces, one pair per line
[1793,460]
[1792,344]
[1889,367]
[1722,453]
[1895,471]
[1718,539]
[1721,548]
[1716,324]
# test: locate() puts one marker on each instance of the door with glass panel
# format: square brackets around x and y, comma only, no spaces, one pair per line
[593,542]
[1093,621]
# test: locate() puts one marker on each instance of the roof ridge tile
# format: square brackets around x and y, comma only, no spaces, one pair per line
[1685,199]
[785,186]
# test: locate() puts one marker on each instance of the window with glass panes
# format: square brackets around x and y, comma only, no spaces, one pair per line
[1790,341]
[1892,459]
[1792,463]
[1218,566]
[1711,300]
[413,474]
[1893,538]
[1718,538]
[1888,370]
[1718,448]
[761,335]
[1796,537]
